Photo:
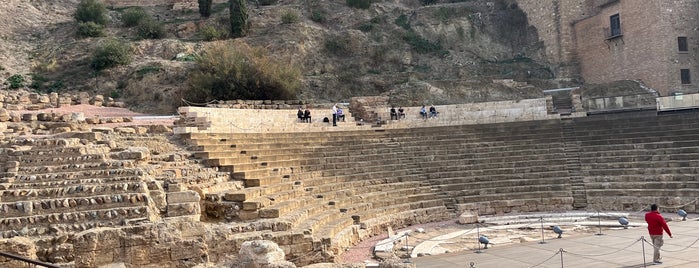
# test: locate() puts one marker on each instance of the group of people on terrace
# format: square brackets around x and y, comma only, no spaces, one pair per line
[339,115]
[305,115]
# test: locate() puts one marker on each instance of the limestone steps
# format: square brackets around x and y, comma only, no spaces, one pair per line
[65,222]
[81,190]
[70,204]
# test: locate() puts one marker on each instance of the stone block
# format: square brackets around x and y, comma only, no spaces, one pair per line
[29,117]
[183,209]
[135,153]
[125,130]
[183,197]
[189,249]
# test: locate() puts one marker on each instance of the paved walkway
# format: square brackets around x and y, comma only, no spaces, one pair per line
[614,248]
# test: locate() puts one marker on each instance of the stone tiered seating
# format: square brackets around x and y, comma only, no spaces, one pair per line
[54,186]
[630,161]
[328,184]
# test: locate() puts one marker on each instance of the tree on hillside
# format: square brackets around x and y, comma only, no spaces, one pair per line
[205,8]
[239,18]
[234,70]
[91,11]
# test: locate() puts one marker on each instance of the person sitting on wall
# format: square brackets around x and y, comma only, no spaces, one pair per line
[423,112]
[433,111]
[340,115]
[307,116]
[394,115]
[401,113]
[299,114]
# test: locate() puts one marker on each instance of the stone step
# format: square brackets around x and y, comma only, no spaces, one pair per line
[82,190]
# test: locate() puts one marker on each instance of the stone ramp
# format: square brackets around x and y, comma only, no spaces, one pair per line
[615,248]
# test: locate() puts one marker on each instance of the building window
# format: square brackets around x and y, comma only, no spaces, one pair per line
[682,44]
[686,79]
[615,25]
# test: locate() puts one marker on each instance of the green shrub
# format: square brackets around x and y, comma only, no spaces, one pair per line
[319,16]
[38,81]
[337,45]
[460,32]
[238,13]
[112,53]
[362,4]
[133,16]
[114,94]
[267,2]
[91,10]
[422,45]
[205,8]
[366,27]
[147,70]
[403,22]
[237,71]
[16,81]
[150,29]
[209,33]
[55,86]
[290,16]
[90,29]
[428,2]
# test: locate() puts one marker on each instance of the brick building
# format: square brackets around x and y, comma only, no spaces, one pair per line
[655,41]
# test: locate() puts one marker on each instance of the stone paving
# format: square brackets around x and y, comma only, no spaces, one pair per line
[614,248]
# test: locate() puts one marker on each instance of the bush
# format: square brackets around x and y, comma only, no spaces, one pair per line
[363,4]
[318,16]
[403,22]
[289,17]
[238,13]
[150,29]
[90,29]
[422,45]
[209,33]
[237,71]
[338,46]
[267,2]
[205,8]
[91,10]
[16,81]
[112,53]
[134,16]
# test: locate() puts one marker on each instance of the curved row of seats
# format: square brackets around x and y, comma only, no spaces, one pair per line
[330,183]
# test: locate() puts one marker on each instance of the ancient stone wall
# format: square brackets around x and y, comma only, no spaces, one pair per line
[553,21]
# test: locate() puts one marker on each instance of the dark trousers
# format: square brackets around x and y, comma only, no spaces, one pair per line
[334,120]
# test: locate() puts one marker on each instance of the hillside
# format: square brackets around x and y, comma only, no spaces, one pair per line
[441,53]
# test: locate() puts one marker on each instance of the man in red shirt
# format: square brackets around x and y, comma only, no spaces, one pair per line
[656,225]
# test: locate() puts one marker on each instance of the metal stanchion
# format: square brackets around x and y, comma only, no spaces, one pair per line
[542,231]
[643,247]
[599,223]
[561,252]
[478,235]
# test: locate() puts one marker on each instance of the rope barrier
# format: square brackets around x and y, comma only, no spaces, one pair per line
[604,254]
[665,250]
[554,255]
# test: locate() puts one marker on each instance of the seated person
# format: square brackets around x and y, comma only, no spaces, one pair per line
[401,113]
[299,114]
[340,115]
[394,115]
[423,112]
[433,111]
[307,116]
